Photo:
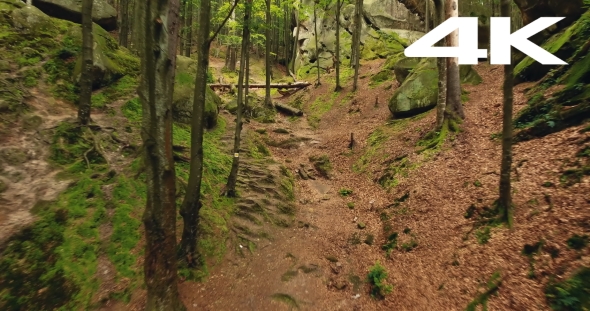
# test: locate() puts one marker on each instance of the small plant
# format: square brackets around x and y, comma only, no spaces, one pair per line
[369,239]
[345,192]
[548,184]
[570,294]
[355,239]
[577,242]
[391,243]
[477,183]
[350,205]
[483,235]
[377,275]
[408,246]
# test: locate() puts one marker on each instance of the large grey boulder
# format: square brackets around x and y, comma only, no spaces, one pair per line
[102,13]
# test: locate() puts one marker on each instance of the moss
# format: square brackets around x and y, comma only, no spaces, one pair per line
[318,108]
[322,164]
[491,288]
[382,76]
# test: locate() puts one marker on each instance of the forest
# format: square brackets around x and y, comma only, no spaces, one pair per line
[288,155]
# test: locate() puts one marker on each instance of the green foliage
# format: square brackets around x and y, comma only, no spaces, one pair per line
[377,276]
[570,294]
[350,205]
[318,108]
[483,235]
[382,76]
[391,243]
[345,192]
[578,242]
[491,288]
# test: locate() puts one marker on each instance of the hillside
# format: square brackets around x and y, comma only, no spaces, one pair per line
[401,219]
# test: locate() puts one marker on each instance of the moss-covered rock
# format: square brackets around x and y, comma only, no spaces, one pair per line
[404,66]
[548,112]
[182,109]
[102,12]
[563,45]
[111,62]
[419,91]
[469,75]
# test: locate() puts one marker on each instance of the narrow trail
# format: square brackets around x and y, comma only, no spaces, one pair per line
[321,263]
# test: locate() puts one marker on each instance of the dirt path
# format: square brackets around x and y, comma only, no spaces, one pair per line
[322,263]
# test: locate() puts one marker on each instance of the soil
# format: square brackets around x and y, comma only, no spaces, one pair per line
[318,265]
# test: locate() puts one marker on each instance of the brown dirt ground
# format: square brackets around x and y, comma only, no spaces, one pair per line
[445,271]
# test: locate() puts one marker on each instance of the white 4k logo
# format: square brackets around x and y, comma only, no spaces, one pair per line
[500,41]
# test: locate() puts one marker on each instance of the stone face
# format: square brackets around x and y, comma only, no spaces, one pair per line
[184,87]
[380,35]
[102,13]
[419,85]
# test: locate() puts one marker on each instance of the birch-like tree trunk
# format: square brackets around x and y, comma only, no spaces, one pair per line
[233,175]
[158,37]
[267,99]
[358,26]
[317,48]
[85,101]
[441,63]
[454,108]
[337,60]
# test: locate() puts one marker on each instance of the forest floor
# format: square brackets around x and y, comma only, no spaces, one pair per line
[445,262]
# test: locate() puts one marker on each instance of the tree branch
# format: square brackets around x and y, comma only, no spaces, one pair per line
[222,23]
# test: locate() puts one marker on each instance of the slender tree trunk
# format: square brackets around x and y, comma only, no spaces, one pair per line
[296,42]
[358,28]
[124,30]
[233,175]
[442,69]
[454,107]
[155,94]
[247,78]
[85,102]
[505,200]
[337,62]
[317,48]
[191,205]
[189,28]
[267,99]
[182,21]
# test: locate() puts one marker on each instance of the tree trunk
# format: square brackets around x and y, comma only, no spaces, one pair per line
[155,94]
[317,48]
[267,100]
[454,108]
[442,69]
[296,42]
[358,28]
[189,28]
[124,30]
[85,102]
[233,175]
[505,200]
[182,22]
[191,205]
[426,16]
[337,61]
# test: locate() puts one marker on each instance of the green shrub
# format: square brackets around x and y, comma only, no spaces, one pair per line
[377,275]
[570,294]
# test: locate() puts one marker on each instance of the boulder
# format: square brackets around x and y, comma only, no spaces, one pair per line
[111,62]
[182,102]
[419,91]
[102,13]
[388,14]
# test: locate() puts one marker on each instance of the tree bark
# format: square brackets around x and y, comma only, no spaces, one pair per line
[182,32]
[189,28]
[442,68]
[267,100]
[233,175]
[158,44]
[426,16]
[317,48]
[85,101]
[296,42]
[337,60]
[124,30]
[454,108]
[357,51]
[191,205]
[505,200]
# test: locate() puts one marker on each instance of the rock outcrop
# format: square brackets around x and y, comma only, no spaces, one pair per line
[102,13]
[182,106]
[386,28]
[418,91]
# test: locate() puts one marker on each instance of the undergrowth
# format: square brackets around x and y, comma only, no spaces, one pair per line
[570,294]
[377,276]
